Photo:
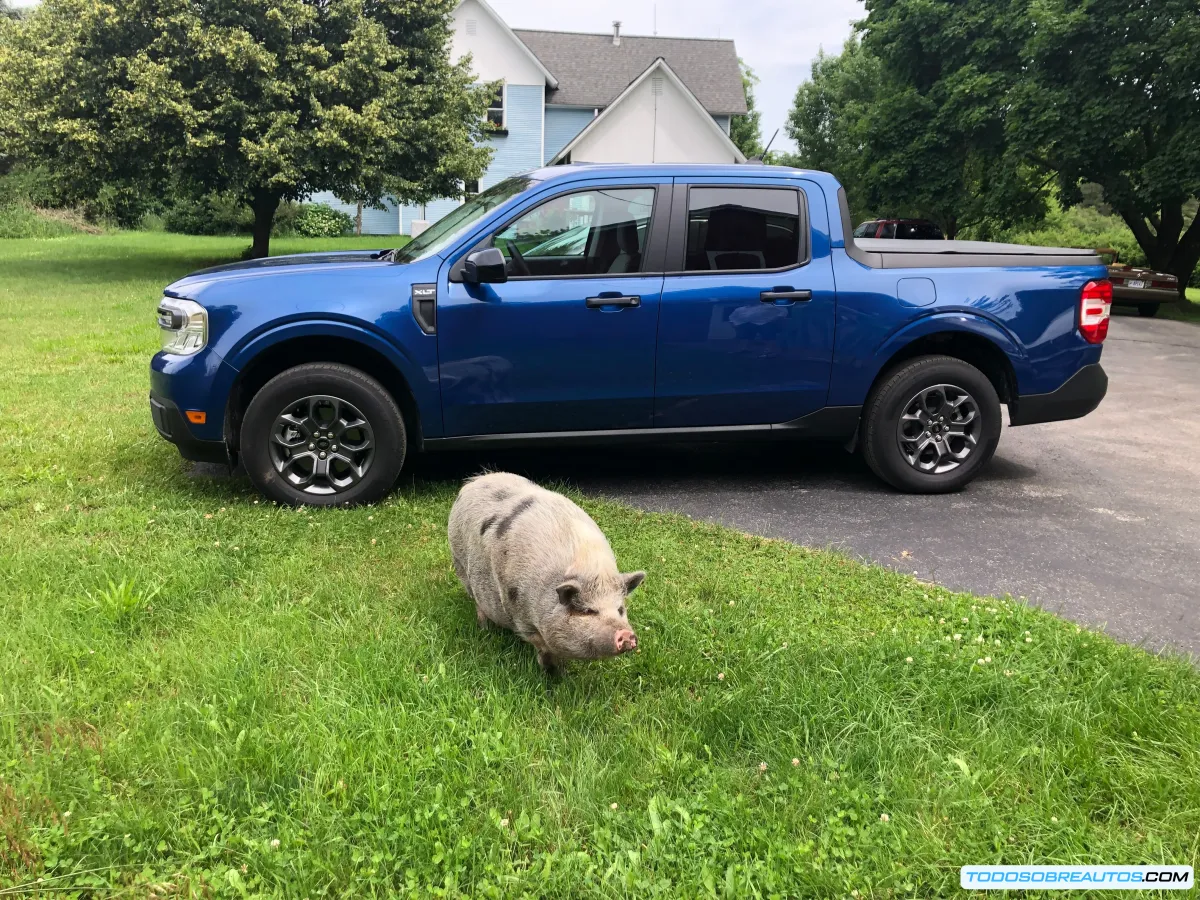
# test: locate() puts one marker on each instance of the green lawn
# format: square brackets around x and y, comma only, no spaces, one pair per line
[205,695]
[1189,312]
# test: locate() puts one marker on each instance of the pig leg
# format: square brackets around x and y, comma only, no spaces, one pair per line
[547,660]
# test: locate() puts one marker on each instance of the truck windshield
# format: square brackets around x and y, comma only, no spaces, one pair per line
[445,230]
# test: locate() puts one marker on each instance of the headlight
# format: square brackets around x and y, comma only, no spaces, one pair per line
[184,326]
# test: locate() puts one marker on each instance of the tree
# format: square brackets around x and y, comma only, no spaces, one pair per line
[910,137]
[1110,94]
[270,99]
[746,131]
[829,116]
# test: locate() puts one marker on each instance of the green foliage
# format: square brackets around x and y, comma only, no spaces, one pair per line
[308,709]
[321,220]
[1079,226]
[746,131]
[121,604]
[209,214]
[830,116]
[267,100]
[1109,94]
[20,220]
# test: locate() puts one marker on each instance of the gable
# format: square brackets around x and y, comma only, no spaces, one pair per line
[496,53]
[592,71]
[656,120]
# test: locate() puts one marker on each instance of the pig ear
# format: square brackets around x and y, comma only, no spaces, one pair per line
[632,580]
[568,593]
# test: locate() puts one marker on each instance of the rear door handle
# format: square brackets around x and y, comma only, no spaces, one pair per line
[603,301]
[784,294]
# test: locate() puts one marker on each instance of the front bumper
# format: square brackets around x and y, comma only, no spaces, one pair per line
[1080,395]
[172,426]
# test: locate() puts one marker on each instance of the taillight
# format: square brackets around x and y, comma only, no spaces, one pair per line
[1095,306]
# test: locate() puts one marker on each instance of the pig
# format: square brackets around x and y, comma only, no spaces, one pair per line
[536,564]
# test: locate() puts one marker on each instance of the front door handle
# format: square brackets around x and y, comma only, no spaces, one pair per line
[617,300]
[784,294]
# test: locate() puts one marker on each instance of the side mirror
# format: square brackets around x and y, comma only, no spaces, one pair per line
[485,267]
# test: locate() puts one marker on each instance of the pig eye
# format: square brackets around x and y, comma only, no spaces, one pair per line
[621,611]
[591,612]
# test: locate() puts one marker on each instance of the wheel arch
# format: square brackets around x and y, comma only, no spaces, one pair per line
[983,352]
[299,349]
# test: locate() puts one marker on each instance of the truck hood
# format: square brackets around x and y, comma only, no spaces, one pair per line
[276,265]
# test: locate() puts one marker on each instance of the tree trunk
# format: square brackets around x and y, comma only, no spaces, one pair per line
[358,220]
[1166,250]
[264,204]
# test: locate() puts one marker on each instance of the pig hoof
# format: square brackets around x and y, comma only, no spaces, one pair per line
[484,621]
[625,640]
[549,663]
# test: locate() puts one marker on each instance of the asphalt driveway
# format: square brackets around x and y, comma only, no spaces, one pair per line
[1096,519]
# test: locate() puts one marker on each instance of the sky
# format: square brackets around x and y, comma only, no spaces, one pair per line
[777,38]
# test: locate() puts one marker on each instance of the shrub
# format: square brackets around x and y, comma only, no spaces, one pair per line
[1080,226]
[210,214]
[20,220]
[321,220]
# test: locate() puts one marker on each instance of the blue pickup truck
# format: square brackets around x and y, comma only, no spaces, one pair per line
[590,304]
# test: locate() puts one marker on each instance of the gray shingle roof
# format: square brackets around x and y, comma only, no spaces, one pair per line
[592,72]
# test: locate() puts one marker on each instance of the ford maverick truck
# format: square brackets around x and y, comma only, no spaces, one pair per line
[599,304]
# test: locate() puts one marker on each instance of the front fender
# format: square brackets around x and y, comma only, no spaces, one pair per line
[422,380]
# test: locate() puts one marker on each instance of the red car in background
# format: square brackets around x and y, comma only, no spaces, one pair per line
[900,229]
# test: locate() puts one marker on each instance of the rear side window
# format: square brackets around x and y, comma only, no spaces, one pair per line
[888,230]
[734,229]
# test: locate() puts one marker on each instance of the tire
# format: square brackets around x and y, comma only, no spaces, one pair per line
[899,393]
[292,428]
[1148,310]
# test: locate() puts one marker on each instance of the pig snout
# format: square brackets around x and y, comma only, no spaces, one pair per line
[625,640]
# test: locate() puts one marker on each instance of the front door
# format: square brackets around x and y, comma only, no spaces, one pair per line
[568,342]
[746,333]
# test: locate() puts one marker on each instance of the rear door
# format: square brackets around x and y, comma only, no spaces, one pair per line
[746,327]
[567,344]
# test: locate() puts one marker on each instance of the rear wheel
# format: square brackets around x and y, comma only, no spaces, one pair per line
[323,434]
[931,425]
[1148,310]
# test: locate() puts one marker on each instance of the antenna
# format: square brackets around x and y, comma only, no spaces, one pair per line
[758,160]
[763,155]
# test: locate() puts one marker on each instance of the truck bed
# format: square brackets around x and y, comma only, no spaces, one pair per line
[893,254]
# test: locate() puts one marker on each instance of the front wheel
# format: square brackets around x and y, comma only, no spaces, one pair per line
[931,425]
[323,434]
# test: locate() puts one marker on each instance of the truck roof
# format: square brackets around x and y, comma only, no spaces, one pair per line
[571,171]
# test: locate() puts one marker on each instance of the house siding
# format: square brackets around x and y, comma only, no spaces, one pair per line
[723,121]
[375,221]
[562,125]
[518,151]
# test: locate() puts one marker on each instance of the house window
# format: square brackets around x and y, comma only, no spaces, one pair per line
[471,188]
[495,113]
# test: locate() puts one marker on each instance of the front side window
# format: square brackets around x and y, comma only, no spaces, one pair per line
[735,229]
[597,232]
[495,113]
[866,229]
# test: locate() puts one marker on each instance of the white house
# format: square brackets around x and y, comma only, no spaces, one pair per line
[570,97]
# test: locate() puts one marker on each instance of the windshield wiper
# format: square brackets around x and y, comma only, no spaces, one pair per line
[386,255]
